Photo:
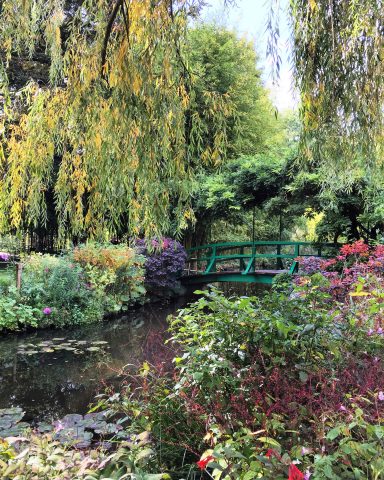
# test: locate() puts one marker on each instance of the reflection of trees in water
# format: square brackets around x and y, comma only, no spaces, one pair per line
[49,385]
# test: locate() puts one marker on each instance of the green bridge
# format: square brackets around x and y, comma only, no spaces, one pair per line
[252,262]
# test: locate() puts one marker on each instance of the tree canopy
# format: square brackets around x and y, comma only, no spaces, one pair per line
[108,135]
[338,66]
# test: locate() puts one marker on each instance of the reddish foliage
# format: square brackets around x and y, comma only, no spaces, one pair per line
[278,393]
[358,248]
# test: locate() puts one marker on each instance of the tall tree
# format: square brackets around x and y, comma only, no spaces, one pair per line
[221,59]
[107,137]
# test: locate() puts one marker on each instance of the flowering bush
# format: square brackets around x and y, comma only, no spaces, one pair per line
[116,271]
[57,288]
[74,289]
[165,261]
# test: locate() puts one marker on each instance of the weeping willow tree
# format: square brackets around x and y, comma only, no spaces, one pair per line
[338,53]
[113,138]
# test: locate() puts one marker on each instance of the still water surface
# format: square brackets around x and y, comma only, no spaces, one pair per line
[48,385]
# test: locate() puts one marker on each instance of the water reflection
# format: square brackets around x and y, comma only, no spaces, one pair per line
[51,384]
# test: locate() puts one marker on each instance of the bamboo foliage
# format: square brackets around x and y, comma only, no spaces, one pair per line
[109,134]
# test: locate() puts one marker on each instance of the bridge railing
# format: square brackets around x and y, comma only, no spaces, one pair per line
[248,257]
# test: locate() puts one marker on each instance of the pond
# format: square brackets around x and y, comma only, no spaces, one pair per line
[50,373]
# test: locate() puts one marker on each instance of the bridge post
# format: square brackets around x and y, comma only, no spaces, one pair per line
[212,263]
[279,261]
[295,265]
[242,264]
[253,266]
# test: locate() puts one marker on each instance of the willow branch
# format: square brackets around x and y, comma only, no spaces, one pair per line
[108,31]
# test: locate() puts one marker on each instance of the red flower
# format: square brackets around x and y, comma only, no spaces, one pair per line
[204,462]
[272,453]
[269,453]
[294,473]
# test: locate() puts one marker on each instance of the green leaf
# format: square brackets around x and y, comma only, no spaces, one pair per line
[269,441]
[303,376]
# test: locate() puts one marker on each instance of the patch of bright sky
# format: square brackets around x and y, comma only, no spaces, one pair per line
[249,17]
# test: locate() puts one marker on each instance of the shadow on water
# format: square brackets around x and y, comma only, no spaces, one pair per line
[49,384]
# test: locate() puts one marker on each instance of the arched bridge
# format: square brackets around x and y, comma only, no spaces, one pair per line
[253,262]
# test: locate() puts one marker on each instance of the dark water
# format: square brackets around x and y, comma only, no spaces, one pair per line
[50,385]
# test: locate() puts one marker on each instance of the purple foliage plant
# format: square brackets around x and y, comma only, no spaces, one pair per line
[165,261]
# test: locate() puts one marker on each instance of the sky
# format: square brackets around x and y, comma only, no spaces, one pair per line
[249,17]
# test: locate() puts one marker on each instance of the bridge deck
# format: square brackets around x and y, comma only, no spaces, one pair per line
[239,272]
[258,276]
[206,263]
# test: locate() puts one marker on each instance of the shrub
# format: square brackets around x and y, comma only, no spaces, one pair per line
[309,265]
[116,271]
[58,288]
[165,261]
[14,314]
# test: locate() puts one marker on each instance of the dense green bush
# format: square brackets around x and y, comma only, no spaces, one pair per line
[58,288]
[14,314]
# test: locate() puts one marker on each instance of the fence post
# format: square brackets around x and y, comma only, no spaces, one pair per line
[19,270]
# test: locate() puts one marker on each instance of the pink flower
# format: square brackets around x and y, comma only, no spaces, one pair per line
[47,310]
[342,408]
[370,332]
[380,396]
[305,451]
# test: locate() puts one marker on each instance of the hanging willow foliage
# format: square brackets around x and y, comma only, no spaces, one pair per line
[338,67]
[338,58]
[115,135]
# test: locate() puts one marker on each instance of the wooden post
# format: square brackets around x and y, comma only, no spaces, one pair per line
[19,270]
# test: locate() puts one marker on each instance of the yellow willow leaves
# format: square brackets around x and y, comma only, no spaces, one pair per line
[136,84]
[98,141]
[112,143]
